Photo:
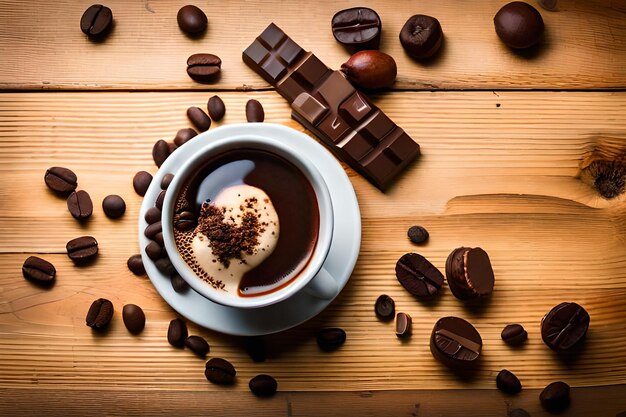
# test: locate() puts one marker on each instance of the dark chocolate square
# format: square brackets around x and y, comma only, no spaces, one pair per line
[309,108]
[289,51]
[256,52]
[274,69]
[357,147]
[378,127]
[271,36]
[310,71]
[355,108]
[290,88]
[335,90]
[334,127]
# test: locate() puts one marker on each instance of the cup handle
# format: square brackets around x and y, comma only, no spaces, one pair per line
[323,285]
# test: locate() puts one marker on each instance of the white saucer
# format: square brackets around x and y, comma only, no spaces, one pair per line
[343,254]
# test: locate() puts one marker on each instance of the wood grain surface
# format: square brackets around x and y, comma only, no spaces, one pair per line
[42,46]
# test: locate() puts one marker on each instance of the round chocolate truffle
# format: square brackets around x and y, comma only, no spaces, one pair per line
[519,25]
[421,36]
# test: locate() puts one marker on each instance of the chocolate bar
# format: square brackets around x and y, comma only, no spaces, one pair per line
[328,105]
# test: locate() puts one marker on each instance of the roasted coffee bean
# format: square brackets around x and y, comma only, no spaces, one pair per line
[192,19]
[357,28]
[199,118]
[177,333]
[185,221]
[179,284]
[370,70]
[160,199]
[134,318]
[514,334]
[60,180]
[155,251]
[331,338]
[263,385]
[96,21]
[255,347]
[166,181]
[82,248]
[153,215]
[164,265]
[172,146]
[418,234]
[79,204]
[555,397]
[158,238]
[564,327]
[160,152]
[506,381]
[141,182]
[418,276]
[421,36]
[518,412]
[113,206]
[197,345]
[203,68]
[403,325]
[216,108]
[38,270]
[519,25]
[100,314]
[385,307]
[135,264]
[254,111]
[183,135]
[153,229]
[220,371]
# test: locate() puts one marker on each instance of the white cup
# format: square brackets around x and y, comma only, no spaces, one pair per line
[313,279]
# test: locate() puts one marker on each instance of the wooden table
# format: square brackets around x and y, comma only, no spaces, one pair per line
[504,136]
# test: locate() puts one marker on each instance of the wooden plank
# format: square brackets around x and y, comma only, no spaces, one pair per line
[590,401]
[42,46]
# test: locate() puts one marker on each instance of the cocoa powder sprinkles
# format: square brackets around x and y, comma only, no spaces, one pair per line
[228,240]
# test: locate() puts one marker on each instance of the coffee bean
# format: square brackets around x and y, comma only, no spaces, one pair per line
[263,385]
[113,206]
[159,201]
[164,265]
[172,147]
[519,25]
[160,152]
[254,111]
[135,264]
[331,338]
[357,27]
[185,221]
[60,180]
[177,333]
[216,108]
[155,251]
[518,412]
[370,70]
[79,204]
[564,327]
[82,248]
[418,276]
[134,318]
[197,345]
[514,334]
[183,135]
[421,36]
[166,181]
[220,371]
[385,307]
[403,325]
[255,347]
[203,68]
[100,314]
[179,284]
[191,19]
[506,381]
[96,21]
[153,229]
[153,215]
[199,118]
[141,182]
[418,234]
[38,270]
[158,238]
[555,397]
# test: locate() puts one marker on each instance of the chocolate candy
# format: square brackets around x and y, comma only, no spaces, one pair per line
[191,19]
[519,25]
[385,307]
[403,325]
[421,36]
[469,273]
[328,105]
[564,326]
[418,276]
[455,343]
[357,28]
